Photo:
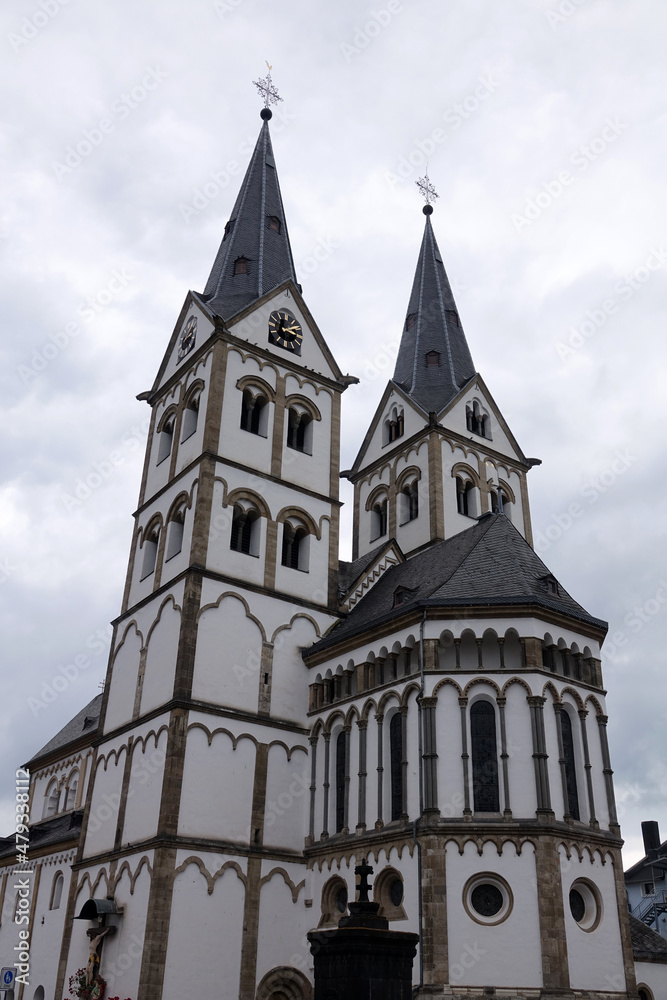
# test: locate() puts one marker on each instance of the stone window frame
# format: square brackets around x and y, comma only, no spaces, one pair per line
[381,889]
[592,898]
[331,912]
[494,879]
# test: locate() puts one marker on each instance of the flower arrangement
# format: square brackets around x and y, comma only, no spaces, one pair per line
[78,986]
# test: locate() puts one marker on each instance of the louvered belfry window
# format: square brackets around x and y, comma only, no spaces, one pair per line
[484,757]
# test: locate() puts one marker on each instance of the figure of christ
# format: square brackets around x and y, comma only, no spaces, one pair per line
[95,934]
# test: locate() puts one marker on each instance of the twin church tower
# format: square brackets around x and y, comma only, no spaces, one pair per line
[273,715]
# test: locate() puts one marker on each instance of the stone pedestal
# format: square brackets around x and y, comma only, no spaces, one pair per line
[363,959]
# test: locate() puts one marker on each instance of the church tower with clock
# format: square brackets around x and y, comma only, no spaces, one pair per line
[272,716]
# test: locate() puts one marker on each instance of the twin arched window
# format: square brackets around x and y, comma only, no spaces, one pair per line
[150,546]
[300,429]
[477,421]
[254,412]
[466,497]
[296,543]
[394,425]
[500,502]
[51,800]
[379,522]
[166,438]
[175,529]
[245,530]
[408,502]
[191,415]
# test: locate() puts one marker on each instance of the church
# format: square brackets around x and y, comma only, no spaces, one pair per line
[272,716]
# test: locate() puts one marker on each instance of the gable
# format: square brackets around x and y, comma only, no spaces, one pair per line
[252,325]
[375,445]
[204,327]
[454,418]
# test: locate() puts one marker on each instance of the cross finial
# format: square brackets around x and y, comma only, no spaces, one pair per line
[428,193]
[363,871]
[268,92]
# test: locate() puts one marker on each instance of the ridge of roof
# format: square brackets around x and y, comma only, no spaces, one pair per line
[248,234]
[432,325]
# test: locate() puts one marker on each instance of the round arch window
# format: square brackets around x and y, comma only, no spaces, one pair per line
[585,904]
[487,898]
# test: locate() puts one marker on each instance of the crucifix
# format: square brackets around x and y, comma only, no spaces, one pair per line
[363,871]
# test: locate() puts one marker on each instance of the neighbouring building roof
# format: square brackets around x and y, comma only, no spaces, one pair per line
[647,946]
[85,722]
[57,830]
[249,234]
[432,325]
[490,564]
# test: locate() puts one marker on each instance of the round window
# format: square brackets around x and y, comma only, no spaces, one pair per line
[487,898]
[341,899]
[585,904]
[396,892]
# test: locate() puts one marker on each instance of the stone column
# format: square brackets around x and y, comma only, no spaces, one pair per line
[465,757]
[555,966]
[325,811]
[362,725]
[507,812]
[313,787]
[379,823]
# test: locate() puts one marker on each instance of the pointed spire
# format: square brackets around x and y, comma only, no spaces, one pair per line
[255,254]
[434,360]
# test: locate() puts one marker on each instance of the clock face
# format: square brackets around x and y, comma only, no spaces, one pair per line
[188,337]
[285,331]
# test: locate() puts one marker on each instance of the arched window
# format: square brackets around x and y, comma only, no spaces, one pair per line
[465,497]
[150,545]
[484,757]
[300,430]
[190,416]
[408,500]
[241,265]
[477,421]
[51,800]
[394,425]
[570,764]
[432,359]
[273,222]
[254,413]
[57,891]
[341,768]
[396,765]
[175,533]
[295,546]
[166,440]
[379,519]
[245,530]
[72,785]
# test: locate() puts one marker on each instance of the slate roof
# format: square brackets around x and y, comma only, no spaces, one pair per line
[247,235]
[53,831]
[74,729]
[647,946]
[490,564]
[436,327]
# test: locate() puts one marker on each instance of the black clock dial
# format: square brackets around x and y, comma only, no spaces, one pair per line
[188,338]
[285,331]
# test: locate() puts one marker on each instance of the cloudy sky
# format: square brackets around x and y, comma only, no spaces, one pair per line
[127,130]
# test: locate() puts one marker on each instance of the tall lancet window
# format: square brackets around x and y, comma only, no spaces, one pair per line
[341,761]
[484,757]
[396,765]
[570,764]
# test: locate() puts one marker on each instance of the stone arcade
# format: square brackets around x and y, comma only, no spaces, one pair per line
[273,716]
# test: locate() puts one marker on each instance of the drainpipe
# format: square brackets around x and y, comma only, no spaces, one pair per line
[421,797]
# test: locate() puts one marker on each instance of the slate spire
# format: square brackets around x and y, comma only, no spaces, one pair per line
[255,254]
[434,361]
